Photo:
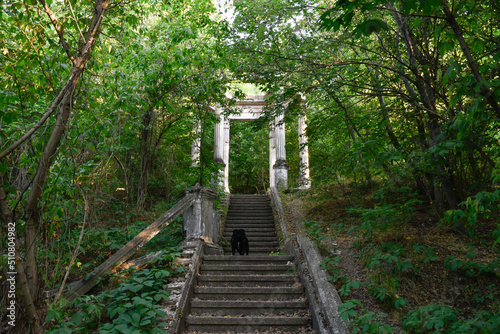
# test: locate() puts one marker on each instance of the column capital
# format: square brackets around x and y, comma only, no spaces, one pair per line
[281,164]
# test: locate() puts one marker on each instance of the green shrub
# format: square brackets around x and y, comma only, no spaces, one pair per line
[444,319]
[132,307]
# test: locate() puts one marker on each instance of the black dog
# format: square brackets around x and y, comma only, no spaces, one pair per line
[239,241]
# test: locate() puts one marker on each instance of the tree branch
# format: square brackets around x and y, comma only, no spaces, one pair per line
[59,31]
[484,89]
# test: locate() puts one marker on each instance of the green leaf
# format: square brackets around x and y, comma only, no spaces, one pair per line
[370,26]
[135,287]
[136,317]
[51,314]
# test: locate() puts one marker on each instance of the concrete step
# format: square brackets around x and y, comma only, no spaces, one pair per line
[247,280]
[247,260]
[256,243]
[243,225]
[248,222]
[250,219]
[222,324]
[250,199]
[246,307]
[248,293]
[251,210]
[266,207]
[249,195]
[249,204]
[253,229]
[246,215]
[270,238]
[254,250]
[261,237]
[252,233]
[241,269]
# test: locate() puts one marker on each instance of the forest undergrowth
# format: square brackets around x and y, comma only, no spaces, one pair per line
[131,300]
[399,268]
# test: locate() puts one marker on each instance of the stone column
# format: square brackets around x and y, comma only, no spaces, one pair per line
[227,133]
[201,221]
[219,145]
[191,221]
[280,167]
[272,155]
[304,179]
[195,146]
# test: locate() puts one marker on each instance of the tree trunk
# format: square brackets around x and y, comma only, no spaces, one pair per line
[21,279]
[441,180]
[147,131]
[32,207]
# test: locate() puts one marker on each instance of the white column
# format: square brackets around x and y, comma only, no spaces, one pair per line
[195,146]
[304,179]
[272,155]
[280,167]
[227,133]
[219,145]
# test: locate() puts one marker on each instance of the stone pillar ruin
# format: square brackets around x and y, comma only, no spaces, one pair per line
[272,155]
[201,220]
[280,166]
[249,110]
[227,133]
[304,179]
[219,146]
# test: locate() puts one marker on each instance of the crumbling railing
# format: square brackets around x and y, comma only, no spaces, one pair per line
[200,222]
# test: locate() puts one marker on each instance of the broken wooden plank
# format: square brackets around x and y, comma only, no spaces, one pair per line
[138,263]
[123,254]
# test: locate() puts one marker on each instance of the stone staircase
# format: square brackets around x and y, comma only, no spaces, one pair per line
[260,292]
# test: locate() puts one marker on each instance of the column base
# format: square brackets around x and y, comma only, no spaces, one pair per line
[281,174]
[303,183]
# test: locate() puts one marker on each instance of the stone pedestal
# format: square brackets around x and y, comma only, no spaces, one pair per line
[201,221]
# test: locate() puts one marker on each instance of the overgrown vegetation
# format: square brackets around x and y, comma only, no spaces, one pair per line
[133,306]
[399,269]
[102,100]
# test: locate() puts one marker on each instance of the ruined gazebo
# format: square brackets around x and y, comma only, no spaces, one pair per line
[248,110]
